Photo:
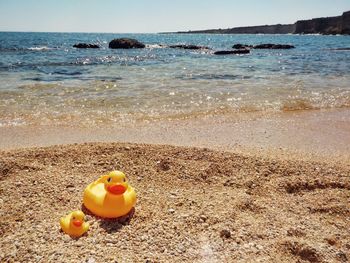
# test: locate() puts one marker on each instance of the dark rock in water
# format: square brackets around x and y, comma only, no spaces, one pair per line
[273,46]
[188,47]
[85,45]
[230,52]
[242,46]
[262,46]
[125,43]
[341,49]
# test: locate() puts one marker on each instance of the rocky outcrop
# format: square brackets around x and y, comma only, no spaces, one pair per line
[242,46]
[326,26]
[263,46]
[125,43]
[273,46]
[194,47]
[340,49]
[85,45]
[232,52]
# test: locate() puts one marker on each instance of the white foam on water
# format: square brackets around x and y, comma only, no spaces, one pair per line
[40,48]
[155,46]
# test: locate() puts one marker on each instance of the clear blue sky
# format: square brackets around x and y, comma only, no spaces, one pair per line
[121,16]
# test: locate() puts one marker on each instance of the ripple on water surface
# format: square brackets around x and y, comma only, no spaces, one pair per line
[44,80]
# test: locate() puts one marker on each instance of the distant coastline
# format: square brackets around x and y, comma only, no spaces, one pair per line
[337,25]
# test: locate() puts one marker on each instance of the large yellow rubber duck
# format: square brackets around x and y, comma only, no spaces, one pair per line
[73,224]
[110,196]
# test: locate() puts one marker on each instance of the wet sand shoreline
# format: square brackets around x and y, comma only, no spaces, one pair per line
[317,134]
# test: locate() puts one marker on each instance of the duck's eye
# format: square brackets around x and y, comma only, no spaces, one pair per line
[124,179]
[109,179]
[73,218]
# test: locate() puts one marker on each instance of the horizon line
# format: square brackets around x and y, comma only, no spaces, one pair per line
[77,32]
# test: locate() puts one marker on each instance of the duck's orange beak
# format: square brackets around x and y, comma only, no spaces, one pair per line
[116,189]
[77,223]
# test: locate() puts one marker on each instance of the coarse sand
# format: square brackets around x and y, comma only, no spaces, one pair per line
[194,205]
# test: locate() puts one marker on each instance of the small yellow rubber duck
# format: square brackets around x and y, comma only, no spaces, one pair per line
[110,196]
[73,224]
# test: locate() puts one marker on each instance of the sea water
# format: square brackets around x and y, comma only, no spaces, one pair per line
[45,81]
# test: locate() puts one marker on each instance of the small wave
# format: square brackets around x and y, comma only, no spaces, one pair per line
[298,104]
[42,48]
[9,49]
[308,34]
[71,61]
[340,49]
[32,78]
[65,72]
[21,49]
[155,46]
[14,49]
[53,78]
[104,79]
[212,77]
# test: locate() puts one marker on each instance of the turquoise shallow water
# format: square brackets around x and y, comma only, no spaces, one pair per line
[44,80]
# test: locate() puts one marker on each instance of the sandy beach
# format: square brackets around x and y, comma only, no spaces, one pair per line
[203,204]
[237,145]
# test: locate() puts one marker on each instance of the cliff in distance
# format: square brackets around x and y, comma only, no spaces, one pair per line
[267,29]
[326,25]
